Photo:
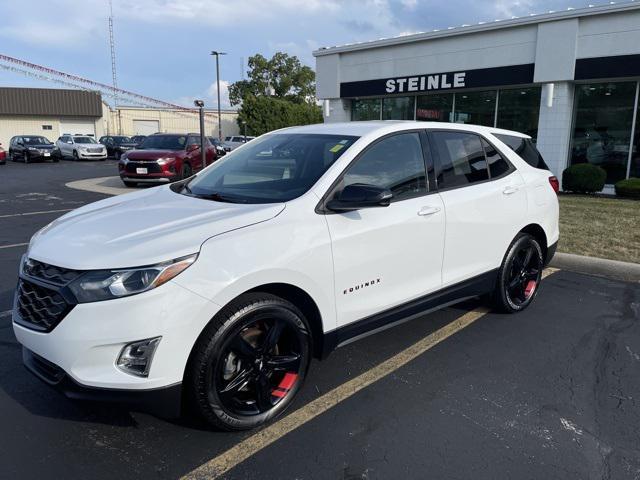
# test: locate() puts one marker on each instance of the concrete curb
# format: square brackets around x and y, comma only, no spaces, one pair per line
[106,185]
[628,272]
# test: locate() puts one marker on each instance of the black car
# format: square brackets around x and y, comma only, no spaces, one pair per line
[117,145]
[29,148]
[218,144]
[138,139]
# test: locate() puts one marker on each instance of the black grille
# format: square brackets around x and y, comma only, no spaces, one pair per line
[40,308]
[151,167]
[49,273]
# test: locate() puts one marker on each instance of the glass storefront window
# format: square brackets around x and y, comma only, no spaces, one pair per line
[602,126]
[398,108]
[478,108]
[435,108]
[519,109]
[365,109]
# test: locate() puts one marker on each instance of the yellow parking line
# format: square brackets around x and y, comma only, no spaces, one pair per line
[250,446]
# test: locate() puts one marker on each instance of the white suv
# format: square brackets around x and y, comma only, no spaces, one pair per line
[81,147]
[220,288]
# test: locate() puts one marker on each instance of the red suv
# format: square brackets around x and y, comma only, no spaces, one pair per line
[164,158]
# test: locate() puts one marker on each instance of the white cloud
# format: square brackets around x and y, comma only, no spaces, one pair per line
[209,96]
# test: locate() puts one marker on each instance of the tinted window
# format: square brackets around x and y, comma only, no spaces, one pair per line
[525,148]
[121,140]
[462,160]
[498,166]
[35,141]
[273,168]
[84,140]
[164,142]
[395,163]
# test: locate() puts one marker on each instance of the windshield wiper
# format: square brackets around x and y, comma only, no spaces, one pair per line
[217,197]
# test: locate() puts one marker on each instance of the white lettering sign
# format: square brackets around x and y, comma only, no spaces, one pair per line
[421,83]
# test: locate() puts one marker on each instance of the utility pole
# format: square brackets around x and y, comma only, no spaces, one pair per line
[217,55]
[203,155]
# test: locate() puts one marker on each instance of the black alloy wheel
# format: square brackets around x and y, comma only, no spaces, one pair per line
[520,275]
[249,363]
[186,171]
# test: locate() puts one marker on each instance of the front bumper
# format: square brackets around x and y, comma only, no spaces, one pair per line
[92,156]
[164,402]
[87,342]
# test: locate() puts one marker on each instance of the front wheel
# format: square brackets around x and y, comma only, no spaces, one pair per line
[519,276]
[186,171]
[75,156]
[249,363]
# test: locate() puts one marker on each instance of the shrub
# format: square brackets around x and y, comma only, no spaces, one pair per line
[583,178]
[629,188]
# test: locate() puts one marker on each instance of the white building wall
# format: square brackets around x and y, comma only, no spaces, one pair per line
[554,127]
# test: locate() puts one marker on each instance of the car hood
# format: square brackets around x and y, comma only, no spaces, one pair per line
[152,154]
[141,228]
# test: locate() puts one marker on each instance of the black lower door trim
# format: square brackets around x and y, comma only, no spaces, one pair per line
[479,285]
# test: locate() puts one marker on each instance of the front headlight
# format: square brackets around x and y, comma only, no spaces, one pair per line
[98,285]
[164,161]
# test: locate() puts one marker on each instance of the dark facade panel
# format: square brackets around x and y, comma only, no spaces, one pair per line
[50,101]
[617,66]
[432,82]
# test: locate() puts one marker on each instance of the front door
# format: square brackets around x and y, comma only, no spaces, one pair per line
[386,256]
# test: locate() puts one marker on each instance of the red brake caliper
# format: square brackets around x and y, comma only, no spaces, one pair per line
[285,385]
[530,288]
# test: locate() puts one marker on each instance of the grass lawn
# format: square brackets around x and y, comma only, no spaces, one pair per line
[600,227]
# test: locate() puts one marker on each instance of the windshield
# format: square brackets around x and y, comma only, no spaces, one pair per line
[35,141]
[84,140]
[273,168]
[120,140]
[164,142]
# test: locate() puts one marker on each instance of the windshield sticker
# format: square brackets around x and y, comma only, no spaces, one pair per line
[336,148]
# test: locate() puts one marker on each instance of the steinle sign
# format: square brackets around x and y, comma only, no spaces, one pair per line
[426,82]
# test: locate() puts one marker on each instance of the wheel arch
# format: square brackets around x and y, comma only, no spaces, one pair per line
[537,232]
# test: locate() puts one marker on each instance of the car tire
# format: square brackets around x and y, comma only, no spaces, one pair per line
[130,184]
[519,275]
[249,362]
[186,171]
[75,156]
[26,157]
[116,156]
[55,159]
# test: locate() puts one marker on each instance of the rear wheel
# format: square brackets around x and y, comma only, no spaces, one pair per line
[249,363]
[520,275]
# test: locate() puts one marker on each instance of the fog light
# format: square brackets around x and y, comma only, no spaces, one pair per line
[135,358]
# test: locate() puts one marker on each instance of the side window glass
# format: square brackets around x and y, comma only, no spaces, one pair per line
[193,141]
[498,166]
[395,163]
[462,160]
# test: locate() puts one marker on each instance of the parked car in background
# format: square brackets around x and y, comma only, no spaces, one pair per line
[117,145]
[164,158]
[29,148]
[138,139]
[3,155]
[233,142]
[218,144]
[81,147]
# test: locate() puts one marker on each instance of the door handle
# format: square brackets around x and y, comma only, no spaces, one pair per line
[426,211]
[508,190]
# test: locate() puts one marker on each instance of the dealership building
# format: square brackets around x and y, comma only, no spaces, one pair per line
[570,79]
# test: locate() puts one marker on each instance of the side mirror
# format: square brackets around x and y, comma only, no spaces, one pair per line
[359,195]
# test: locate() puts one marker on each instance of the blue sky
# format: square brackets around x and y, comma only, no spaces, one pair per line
[162,46]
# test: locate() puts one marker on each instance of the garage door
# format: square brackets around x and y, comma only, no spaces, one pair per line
[146,127]
[78,127]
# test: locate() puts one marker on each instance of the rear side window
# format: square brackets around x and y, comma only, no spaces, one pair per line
[525,148]
[395,163]
[462,160]
[498,166]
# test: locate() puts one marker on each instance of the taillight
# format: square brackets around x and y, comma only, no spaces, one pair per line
[555,184]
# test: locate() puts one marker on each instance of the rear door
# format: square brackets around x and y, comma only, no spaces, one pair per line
[387,256]
[484,201]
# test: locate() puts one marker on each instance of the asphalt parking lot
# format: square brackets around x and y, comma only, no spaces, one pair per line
[550,393]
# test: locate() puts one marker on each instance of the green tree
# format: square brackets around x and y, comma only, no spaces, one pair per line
[263,114]
[282,76]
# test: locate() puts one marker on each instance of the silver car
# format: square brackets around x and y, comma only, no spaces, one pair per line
[81,147]
[233,142]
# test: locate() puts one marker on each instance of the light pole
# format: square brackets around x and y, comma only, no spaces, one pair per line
[203,155]
[217,55]
[244,130]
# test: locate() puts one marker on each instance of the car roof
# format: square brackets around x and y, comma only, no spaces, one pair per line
[388,126]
